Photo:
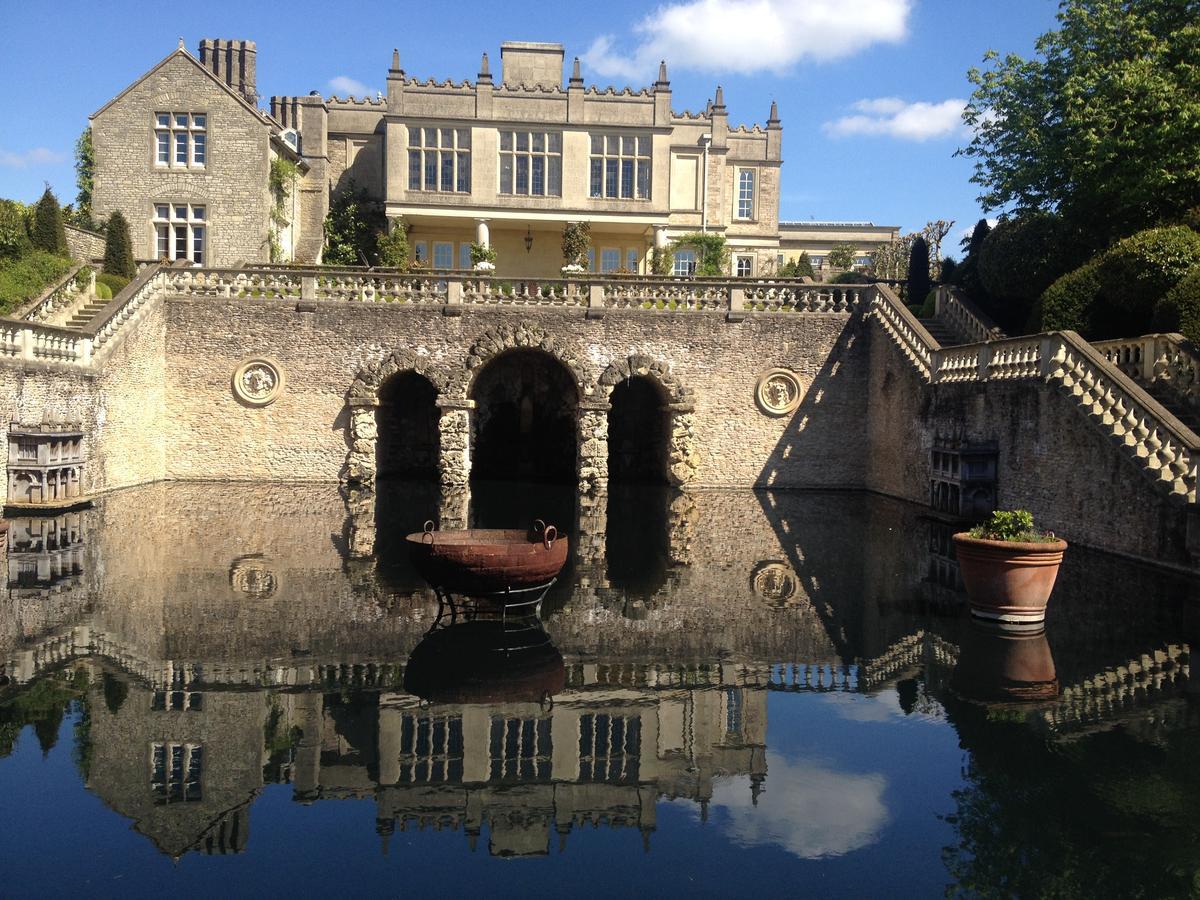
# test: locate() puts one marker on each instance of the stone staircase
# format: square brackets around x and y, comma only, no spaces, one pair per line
[83,315]
[943,332]
[1180,408]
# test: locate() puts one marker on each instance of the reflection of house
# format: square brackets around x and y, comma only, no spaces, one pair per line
[45,463]
[44,554]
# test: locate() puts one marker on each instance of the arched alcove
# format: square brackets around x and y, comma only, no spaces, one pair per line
[406,419]
[525,422]
[638,432]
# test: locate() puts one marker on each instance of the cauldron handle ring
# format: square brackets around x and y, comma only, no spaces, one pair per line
[549,536]
[538,526]
[428,531]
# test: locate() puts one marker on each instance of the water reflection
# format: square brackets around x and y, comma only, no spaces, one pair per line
[212,641]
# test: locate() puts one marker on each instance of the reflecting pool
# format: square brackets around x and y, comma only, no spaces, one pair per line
[223,689]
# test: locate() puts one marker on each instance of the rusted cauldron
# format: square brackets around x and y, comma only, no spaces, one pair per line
[489,560]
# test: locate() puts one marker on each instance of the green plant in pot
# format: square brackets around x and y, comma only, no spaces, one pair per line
[1009,567]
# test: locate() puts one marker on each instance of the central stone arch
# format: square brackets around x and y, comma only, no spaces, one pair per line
[363,400]
[683,459]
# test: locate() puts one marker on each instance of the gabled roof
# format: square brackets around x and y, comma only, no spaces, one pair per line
[182,51]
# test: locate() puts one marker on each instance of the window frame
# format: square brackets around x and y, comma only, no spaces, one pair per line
[741,195]
[687,256]
[621,167]
[531,157]
[185,223]
[180,138]
[738,260]
[439,163]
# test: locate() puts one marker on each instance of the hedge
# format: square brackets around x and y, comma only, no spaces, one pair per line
[23,278]
[114,283]
[1180,309]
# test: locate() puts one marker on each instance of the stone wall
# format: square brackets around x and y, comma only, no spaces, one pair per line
[1052,460]
[232,185]
[304,434]
[84,245]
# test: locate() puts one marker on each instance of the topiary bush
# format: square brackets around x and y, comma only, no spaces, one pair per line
[118,248]
[115,283]
[919,282]
[393,246]
[1179,310]
[1116,293]
[47,232]
[850,277]
[103,291]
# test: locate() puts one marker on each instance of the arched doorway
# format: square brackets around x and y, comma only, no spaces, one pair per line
[638,432]
[525,420]
[406,420]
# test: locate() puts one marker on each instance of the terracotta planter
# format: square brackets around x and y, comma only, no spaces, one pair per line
[1008,581]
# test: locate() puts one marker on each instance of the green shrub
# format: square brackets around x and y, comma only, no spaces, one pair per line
[23,278]
[919,282]
[14,229]
[47,232]
[576,239]
[850,277]
[929,307]
[841,256]
[118,248]
[115,283]
[393,246]
[1117,292]
[1180,309]
[1018,260]
[103,291]
[1011,525]
[712,254]
[1066,305]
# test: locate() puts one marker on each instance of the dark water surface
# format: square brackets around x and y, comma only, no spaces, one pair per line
[206,691]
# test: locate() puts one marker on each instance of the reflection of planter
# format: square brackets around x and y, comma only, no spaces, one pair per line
[996,664]
[1008,581]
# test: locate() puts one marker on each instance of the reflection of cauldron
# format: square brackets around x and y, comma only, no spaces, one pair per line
[488,560]
[486,661]
[1005,665]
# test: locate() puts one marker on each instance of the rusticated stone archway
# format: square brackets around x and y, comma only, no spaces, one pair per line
[683,459]
[363,400]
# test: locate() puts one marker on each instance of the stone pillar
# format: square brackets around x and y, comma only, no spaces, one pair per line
[660,237]
[482,235]
[360,464]
[476,732]
[454,433]
[360,521]
[391,722]
[593,446]
[454,507]
[683,459]
[593,529]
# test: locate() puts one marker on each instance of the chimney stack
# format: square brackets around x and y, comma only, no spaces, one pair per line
[234,63]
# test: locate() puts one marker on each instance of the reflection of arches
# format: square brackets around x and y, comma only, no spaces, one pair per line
[407,426]
[682,457]
[639,431]
[363,399]
[526,418]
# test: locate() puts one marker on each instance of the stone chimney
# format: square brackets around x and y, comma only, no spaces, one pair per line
[531,64]
[233,62]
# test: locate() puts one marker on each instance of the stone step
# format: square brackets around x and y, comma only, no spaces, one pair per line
[941,332]
[1184,412]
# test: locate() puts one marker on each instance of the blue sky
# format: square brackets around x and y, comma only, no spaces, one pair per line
[868,90]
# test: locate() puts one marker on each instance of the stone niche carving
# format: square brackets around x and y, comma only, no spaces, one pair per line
[775,582]
[258,381]
[778,392]
[253,576]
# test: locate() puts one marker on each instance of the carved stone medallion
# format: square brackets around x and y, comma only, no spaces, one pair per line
[775,582]
[778,392]
[257,382]
[252,575]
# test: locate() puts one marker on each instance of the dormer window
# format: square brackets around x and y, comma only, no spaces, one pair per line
[181,140]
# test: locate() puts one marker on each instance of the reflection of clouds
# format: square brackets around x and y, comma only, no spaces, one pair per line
[881,707]
[807,809]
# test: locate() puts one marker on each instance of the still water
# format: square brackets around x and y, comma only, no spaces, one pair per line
[207,690]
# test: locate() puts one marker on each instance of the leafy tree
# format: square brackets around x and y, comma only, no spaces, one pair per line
[393,246]
[919,283]
[973,243]
[1101,125]
[1019,259]
[842,256]
[352,228]
[85,180]
[14,229]
[800,267]
[47,232]
[118,247]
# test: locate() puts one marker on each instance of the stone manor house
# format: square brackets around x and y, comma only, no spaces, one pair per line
[185,153]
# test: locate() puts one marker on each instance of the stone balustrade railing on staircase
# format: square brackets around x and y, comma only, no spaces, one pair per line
[964,317]
[58,298]
[1153,360]
[1166,449]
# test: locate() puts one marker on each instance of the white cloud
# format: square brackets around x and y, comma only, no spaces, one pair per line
[38,156]
[748,35]
[966,233]
[808,809]
[893,117]
[344,85]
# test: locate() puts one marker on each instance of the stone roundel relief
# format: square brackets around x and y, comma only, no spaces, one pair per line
[775,582]
[258,381]
[778,392]
[253,575]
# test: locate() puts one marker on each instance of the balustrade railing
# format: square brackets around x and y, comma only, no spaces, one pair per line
[1169,360]
[964,317]
[58,297]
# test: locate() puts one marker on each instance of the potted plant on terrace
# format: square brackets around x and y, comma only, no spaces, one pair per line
[576,239]
[1008,567]
[483,259]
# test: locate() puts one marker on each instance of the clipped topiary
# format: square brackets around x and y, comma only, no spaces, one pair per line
[118,248]
[1179,310]
[850,277]
[103,291]
[1067,304]
[919,283]
[48,232]
[1138,272]
[115,283]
